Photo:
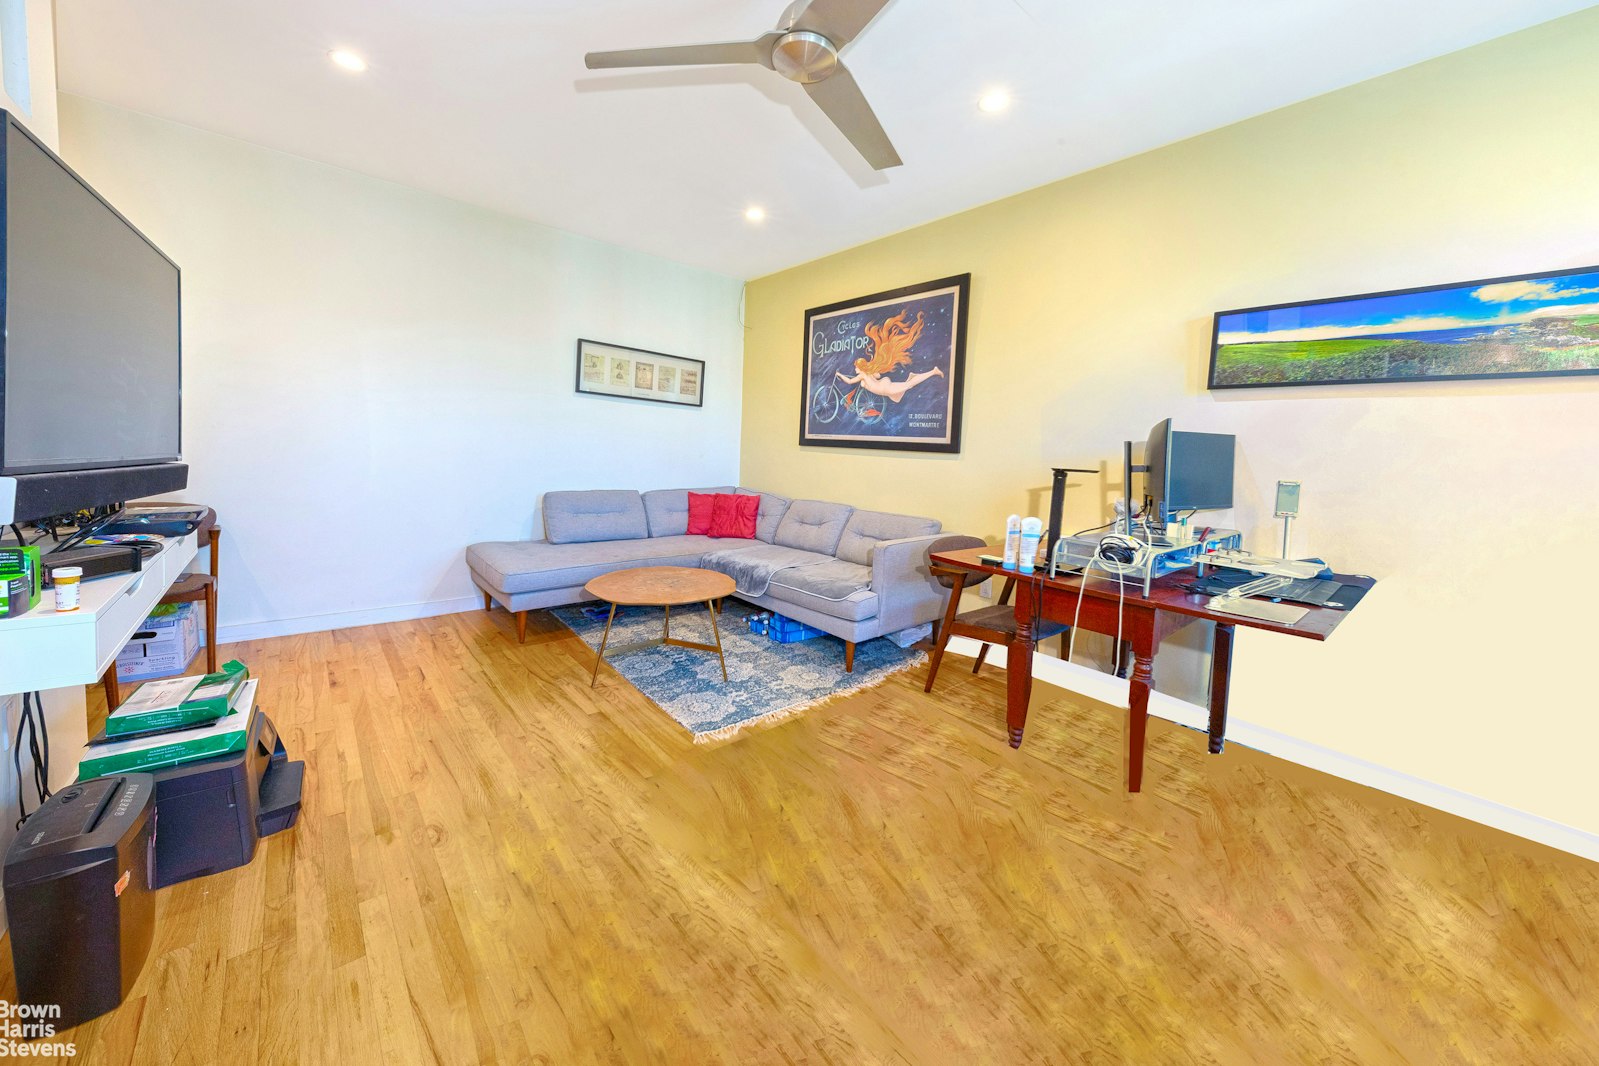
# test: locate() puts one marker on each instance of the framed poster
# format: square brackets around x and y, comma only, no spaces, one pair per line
[1529,325]
[615,370]
[886,371]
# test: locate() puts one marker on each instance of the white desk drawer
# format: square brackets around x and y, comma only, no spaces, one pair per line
[120,618]
[44,650]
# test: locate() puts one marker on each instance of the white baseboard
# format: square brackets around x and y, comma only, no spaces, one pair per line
[316,623]
[1113,690]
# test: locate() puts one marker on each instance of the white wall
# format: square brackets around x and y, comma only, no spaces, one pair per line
[1474,502]
[40,54]
[376,377]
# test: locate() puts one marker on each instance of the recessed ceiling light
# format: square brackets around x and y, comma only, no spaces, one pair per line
[755,213]
[347,59]
[994,101]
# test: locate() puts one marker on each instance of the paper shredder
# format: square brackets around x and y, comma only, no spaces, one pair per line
[79,896]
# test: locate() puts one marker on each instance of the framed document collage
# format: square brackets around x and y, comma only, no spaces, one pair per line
[636,374]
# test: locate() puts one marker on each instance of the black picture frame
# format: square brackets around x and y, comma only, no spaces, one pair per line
[1539,290]
[677,380]
[835,416]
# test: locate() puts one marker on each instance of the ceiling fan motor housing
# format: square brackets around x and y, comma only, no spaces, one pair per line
[804,56]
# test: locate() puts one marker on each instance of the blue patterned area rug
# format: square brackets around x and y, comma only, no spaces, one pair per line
[766,681]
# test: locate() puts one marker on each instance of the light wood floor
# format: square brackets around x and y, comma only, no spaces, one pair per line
[496,864]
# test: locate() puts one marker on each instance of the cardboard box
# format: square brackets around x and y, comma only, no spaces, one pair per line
[165,643]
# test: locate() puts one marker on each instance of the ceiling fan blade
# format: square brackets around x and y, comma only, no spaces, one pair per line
[840,21]
[842,101]
[684,55]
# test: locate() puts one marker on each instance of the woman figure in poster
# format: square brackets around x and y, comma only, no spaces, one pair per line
[881,386]
[891,344]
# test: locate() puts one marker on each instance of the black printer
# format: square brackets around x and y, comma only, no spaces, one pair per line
[213,811]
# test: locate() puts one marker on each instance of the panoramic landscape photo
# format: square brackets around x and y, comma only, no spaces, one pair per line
[1537,324]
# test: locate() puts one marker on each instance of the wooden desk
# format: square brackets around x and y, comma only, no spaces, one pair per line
[1145,621]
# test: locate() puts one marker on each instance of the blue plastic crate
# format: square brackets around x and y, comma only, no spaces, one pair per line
[782,630]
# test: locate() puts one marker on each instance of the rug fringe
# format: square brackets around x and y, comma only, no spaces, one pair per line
[727,732]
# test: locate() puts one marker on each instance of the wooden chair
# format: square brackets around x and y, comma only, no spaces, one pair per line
[990,625]
[190,588]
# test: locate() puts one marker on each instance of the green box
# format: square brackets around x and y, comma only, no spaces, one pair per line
[24,558]
[223,736]
[16,594]
[178,701]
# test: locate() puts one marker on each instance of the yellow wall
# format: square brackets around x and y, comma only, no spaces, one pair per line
[1476,503]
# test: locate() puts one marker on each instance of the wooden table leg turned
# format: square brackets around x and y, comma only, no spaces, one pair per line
[1138,711]
[1019,668]
[1221,671]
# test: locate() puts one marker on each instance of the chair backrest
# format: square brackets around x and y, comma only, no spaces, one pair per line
[952,544]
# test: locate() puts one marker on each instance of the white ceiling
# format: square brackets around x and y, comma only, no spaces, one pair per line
[488,101]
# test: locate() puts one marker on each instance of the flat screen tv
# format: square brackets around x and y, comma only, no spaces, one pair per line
[90,351]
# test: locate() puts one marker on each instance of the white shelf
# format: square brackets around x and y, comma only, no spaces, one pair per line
[43,649]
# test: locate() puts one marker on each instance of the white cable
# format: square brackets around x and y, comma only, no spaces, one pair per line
[1111,567]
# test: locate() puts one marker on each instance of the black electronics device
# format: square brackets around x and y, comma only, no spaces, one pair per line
[101,560]
[162,522]
[91,353]
[78,896]
[214,811]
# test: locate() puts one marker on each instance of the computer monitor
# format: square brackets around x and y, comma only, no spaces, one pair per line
[1187,471]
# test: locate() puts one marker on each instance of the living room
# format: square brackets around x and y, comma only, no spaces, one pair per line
[509,848]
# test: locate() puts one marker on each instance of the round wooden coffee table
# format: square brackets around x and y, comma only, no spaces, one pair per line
[659,586]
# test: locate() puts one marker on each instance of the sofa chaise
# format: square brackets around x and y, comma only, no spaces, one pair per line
[851,573]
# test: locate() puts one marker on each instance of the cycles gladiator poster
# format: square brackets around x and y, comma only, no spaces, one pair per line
[885,371]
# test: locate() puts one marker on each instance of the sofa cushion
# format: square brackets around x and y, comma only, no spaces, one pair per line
[667,510]
[594,515]
[812,525]
[701,508]
[733,516]
[770,514]
[865,528]
[836,588]
[536,565]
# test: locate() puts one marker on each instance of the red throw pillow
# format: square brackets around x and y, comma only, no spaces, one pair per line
[699,512]
[733,515]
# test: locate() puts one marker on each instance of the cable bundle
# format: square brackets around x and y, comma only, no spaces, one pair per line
[38,750]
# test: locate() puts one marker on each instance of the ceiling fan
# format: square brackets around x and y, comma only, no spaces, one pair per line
[803,48]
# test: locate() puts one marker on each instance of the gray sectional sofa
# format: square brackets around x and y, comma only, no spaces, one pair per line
[854,574]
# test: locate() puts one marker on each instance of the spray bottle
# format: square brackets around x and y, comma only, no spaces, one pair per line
[1032,529]
[1013,541]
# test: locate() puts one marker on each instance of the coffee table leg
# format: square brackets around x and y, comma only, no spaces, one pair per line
[600,655]
[666,627]
[717,632]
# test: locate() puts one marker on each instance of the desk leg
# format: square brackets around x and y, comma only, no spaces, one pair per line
[1221,672]
[1019,669]
[1138,710]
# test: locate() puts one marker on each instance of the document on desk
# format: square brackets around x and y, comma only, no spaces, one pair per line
[1283,614]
